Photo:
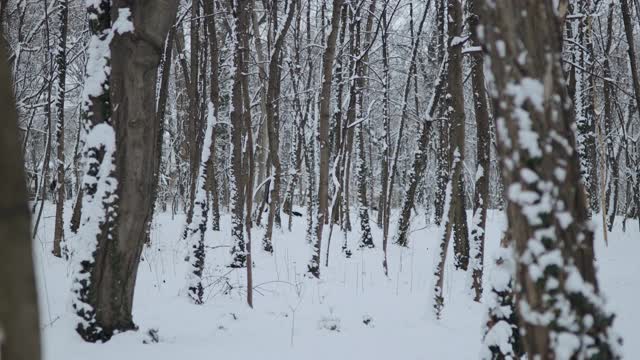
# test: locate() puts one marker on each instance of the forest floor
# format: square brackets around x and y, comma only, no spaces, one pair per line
[353,312]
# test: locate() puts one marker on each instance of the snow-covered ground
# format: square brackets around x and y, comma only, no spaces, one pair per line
[353,312]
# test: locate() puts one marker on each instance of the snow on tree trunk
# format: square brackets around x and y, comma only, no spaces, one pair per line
[100,201]
[444,238]
[456,117]
[61,62]
[501,339]
[323,134]
[562,314]
[236,182]
[420,157]
[481,193]
[196,229]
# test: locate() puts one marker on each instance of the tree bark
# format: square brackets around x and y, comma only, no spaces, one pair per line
[238,130]
[130,104]
[61,61]
[608,98]
[323,137]
[483,143]
[273,129]
[456,119]
[628,29]
[444,162]
[19,323]
[214,98]
[547,207]
[420,157]
[403,116]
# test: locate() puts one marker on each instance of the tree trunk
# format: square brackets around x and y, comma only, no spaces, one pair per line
[273,130]
[444,162]
[194,128]
[238,129]
[483,142]
[44,175]
[609,182]
[386,139]
[403,116]
[19,323]
[628,29]
[547,207]
[161,109]
[456,119]
[323,136]
[61,61]
[124,188]
[214,98]
[420,157]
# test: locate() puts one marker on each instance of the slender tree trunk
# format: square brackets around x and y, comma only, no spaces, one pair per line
[249,166]
[323,136]
[61,61]
[483,142]
[580,89]
[214,98]
[386,138]
[456,118]
[44,175]
[238,129]
[273,126]
[609,182]
[420,157]
[196,229]
[444,162]
[403,116]
[194,128]
[445,238]
[340,131]
[300,121]
[161,109]
[262,140]
[358,89]
[628,29]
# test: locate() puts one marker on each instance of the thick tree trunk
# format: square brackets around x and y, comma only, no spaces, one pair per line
[19,323]
[547,208]
[130,105]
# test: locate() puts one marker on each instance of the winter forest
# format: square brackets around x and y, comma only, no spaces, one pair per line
[319,179]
